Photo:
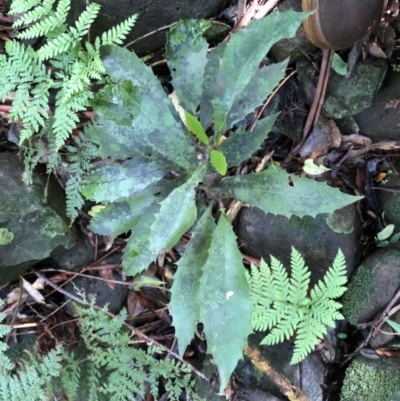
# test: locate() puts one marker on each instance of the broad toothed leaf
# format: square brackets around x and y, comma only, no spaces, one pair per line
[225,305]
[110,182]
[138,254]
[187,57]
[271,191]
[242,144]
[210,76]
[177,213]
[185,307]
[154,118]
[262,83]
[120,217]
[242,57]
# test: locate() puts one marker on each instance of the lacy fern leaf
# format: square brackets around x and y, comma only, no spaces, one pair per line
[75,66]
[105,367]
[282,306]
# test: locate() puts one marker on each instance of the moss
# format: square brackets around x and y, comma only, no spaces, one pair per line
[371,380]
[6,236]
[358,293]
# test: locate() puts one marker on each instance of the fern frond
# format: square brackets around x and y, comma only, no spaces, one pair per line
[300,278]
[117,34]
[280,279]
[292,311]
[23,6]
[84,21]
[285,326]
[308,333]
[56,46]
[46,20]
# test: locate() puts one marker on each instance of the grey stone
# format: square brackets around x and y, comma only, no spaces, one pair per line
[346,97]
[83,253]
[32,228]
[317,239]
[381,121]
[98,289]
[153,14]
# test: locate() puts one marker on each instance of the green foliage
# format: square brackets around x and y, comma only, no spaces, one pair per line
[71,70]
[271,191]
[139,125]
[358,293]
[386,237]
[79,158]
[108,367]
[281,304]
[371,380]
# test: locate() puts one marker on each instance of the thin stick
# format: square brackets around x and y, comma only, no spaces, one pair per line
[325,68]
[241,10]
[134,329]
[270,98]
[266,8]
[324,87]
[149,34]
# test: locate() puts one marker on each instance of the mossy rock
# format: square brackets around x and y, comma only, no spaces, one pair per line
[372,286]
[372,380]
[390,202]
[32,227]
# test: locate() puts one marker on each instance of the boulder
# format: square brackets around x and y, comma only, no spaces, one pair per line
[32,228]
[372,380]
[373,286]
[152,15]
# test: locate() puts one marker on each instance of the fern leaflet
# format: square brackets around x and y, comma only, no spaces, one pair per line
[282,306]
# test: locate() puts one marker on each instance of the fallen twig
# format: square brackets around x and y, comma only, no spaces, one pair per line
[292,392]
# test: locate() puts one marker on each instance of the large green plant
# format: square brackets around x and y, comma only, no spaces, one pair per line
[155,176]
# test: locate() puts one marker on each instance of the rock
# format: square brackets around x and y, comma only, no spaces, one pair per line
[372,286]
[390,202]
[98,288]
[372,380]
[346,97]
[32,229]
[381,121]
[296,48]
[152,16]
[205,390]
[317,239]
[82,254]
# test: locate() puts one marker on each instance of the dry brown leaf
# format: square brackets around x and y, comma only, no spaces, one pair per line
[136,305]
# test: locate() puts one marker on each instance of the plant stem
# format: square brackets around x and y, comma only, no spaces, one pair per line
[241,10]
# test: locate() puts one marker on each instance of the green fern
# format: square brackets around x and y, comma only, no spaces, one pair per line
[75,66]
[105,367]
[281,304]
[79,158]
